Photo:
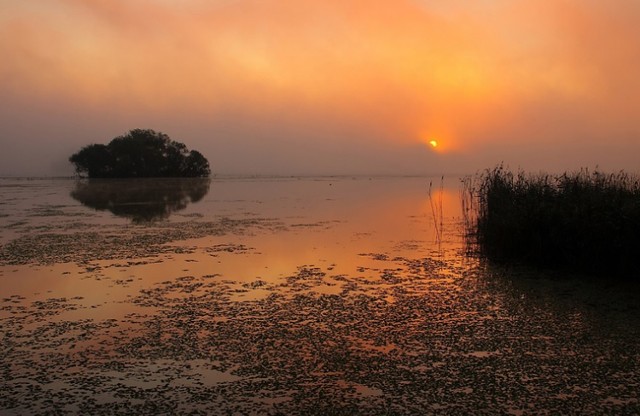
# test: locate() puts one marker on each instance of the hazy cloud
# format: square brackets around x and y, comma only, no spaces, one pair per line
[355,86]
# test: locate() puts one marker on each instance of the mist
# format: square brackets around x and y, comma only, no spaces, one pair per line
[344,88]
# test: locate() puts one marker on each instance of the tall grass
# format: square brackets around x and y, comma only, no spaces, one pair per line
[582,221]
[436,209]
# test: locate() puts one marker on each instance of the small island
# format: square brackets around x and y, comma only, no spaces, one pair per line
[141,153]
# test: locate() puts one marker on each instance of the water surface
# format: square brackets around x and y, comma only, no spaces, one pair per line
[291,296]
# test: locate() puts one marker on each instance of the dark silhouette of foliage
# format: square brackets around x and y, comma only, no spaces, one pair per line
[140,154]
[141,200]
[585,221]
[95,160]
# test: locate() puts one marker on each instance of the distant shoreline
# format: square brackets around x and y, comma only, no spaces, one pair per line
[262,176]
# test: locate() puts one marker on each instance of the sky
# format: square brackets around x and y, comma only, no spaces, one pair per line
[289,87]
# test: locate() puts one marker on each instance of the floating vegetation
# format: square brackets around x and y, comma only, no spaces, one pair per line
[413,343]
[52,246]
[587,222]
[227,313]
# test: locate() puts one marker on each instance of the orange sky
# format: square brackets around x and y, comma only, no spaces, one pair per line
[350,86]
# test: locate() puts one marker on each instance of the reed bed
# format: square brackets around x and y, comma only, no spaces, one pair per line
[585,221]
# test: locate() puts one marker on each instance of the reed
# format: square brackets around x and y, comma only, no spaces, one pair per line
[583,221]
[436,209]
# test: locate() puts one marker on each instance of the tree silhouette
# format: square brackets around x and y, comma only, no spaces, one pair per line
[95,160]
[140,153]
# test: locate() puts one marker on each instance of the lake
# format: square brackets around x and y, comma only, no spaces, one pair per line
[331,295]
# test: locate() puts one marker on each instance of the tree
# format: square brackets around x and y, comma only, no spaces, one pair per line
[140,153]
[193,164]
[95,160]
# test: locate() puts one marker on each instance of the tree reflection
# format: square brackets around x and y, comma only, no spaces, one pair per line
[141,200]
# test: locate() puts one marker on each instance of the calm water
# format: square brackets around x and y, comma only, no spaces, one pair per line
[289,296]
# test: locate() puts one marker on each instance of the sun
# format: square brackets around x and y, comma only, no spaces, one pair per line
[433,143]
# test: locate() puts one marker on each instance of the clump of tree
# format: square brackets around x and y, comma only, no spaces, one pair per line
[583,221]
[141,153]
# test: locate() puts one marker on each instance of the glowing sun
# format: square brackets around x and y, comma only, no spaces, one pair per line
[433,143]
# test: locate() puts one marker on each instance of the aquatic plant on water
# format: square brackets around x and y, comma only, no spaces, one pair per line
[584,221]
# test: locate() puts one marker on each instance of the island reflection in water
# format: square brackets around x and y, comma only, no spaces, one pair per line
[141,199]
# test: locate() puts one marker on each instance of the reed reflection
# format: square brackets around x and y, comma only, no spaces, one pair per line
[141,200]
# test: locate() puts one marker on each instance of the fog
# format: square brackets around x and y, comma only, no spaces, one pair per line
[308,88]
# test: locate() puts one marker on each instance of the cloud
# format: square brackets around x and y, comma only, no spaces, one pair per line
[369,78]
